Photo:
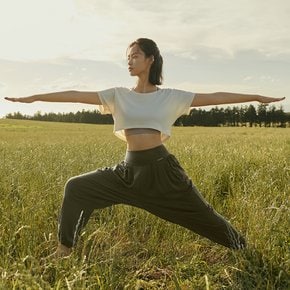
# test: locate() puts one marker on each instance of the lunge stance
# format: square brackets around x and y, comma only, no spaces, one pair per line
[149,177]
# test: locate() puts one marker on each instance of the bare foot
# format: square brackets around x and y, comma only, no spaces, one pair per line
[61,252]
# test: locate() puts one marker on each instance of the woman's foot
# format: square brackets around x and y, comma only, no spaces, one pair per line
[61,252]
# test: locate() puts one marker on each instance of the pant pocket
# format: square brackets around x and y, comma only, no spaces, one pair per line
[176,169]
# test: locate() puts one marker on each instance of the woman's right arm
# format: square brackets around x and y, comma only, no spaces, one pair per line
[66,96]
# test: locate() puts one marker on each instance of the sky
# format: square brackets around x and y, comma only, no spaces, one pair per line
[240,46]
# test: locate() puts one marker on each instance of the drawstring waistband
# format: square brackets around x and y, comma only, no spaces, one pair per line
[146,156]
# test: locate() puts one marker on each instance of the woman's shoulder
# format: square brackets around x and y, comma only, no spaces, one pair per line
[122,89]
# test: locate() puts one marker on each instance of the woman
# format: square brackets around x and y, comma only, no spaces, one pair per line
[149,177]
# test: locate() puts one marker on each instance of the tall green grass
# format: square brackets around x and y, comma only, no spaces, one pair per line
[242,172]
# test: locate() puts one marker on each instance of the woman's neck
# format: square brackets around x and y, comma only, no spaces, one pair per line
[144,87]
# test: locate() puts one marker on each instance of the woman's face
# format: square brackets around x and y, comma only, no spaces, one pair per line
[138,64]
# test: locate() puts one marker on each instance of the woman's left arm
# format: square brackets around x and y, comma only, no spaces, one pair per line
[220,98]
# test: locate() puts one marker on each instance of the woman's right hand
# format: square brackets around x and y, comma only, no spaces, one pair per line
[21,100]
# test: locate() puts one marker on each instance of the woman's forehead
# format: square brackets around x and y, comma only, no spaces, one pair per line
[135,49]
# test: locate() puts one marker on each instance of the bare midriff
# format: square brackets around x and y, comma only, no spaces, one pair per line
[142,139]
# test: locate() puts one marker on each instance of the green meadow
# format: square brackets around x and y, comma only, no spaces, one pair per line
[243,172]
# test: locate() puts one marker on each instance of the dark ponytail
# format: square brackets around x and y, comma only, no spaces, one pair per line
[150,49]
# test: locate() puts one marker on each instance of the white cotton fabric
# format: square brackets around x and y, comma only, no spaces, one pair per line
[157,110]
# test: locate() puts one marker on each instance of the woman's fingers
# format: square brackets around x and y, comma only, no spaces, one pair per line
[270,100]
[21,100]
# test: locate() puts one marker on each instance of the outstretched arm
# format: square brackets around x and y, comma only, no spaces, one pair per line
[229,98]
[66,96]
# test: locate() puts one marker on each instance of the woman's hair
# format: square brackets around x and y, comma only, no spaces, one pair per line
[150,48]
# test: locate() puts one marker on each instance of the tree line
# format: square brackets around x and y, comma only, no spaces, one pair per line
[263,116]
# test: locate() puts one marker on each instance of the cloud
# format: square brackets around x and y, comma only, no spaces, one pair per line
[101,29]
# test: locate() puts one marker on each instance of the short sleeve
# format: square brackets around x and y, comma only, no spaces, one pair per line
[107,98]
[182,100]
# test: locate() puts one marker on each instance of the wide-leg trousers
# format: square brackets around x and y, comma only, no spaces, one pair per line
[149,179]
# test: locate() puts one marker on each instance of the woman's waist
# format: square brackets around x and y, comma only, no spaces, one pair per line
[142,141]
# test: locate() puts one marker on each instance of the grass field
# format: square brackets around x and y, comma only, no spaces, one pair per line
[242,172]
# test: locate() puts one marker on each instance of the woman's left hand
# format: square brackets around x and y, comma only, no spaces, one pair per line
[266,100]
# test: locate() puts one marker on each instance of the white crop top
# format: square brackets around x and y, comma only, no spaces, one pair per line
[157,110]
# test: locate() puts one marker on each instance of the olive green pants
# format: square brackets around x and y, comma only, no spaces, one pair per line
[149,179]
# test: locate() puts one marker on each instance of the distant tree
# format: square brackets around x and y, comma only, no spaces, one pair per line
[217,116]
[242,116]
[271,116]
[251,115]
[228,117]
[262,114]
[281,118]
[16,115]
[287,118]
[234,116]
